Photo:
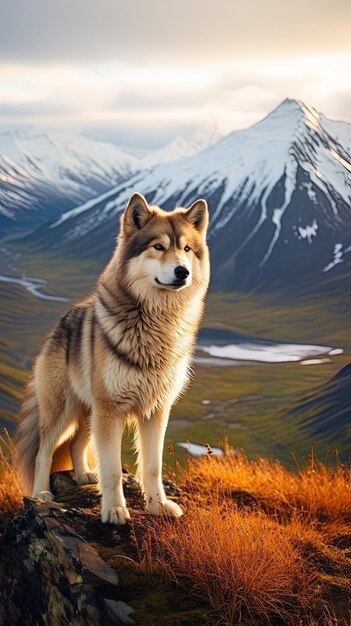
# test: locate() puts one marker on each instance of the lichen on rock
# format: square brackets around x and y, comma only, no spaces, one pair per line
[50,573]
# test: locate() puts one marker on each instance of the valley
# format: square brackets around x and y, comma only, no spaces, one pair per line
[251,403]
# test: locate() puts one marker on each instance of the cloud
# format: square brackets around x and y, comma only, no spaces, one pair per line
[140,134]
[133,101]
[150,99]
[160,67]
[340,104]
[36,109]
[133,31]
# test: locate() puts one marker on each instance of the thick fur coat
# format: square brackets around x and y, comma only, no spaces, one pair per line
[122,354]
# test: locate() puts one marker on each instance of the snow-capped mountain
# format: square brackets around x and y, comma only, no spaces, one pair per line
[178,148]
[181,147]
[45,173]
[341,131]
[279,194]
[42,173]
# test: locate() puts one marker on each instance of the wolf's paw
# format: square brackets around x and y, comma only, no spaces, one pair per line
[168,507]
[87,478]
[118,515]
[44,496]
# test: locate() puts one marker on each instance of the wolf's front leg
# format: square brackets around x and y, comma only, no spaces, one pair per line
[150,441]
[107,432]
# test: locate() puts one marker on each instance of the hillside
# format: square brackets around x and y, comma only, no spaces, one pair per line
[257,546]
[327,408]
[252,401]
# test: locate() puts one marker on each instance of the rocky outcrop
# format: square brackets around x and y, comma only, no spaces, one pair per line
[50,572]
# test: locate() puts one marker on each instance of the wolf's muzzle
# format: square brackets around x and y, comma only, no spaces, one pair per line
[181,272]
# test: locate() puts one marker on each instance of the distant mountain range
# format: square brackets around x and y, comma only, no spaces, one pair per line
[279,194]
[45,173]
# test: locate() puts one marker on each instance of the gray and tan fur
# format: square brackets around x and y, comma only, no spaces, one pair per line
[120,355]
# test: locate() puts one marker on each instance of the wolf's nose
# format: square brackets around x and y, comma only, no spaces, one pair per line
[181,272]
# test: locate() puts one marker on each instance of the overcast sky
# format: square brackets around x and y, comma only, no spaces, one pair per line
[142,71]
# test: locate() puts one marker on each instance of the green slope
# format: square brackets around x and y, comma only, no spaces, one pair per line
[249,403]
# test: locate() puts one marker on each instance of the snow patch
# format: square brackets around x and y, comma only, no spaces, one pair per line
[310,192]
[338,257]
[264,353]
[307,232]
[290,184]
[315,361]
[336,351]
[196,449]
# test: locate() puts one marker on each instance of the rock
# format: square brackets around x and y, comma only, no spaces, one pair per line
[119,612]
[50,574]
[62,483]
[171,489]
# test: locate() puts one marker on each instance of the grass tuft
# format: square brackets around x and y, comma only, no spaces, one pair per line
[318,491]
[259,543]
[243,563]
[11,490]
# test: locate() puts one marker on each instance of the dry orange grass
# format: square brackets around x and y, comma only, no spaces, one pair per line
[245,564]
[11,498]
[257,541]
[260,559]
[317,491]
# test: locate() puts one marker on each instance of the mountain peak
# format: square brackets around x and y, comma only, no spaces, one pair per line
[299,110]
[291,103]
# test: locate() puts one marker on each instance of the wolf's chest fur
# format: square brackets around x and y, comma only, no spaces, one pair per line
[145,357]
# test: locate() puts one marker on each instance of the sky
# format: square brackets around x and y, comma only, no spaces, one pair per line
[141,72]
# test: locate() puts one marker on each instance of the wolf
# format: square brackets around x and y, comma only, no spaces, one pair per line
[121,355]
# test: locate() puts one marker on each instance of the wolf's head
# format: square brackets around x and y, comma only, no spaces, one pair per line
[163,251]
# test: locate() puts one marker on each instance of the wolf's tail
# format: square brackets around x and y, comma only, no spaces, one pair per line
[27,440]
[27,437]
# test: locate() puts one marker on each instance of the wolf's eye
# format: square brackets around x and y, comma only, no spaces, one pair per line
[187,248]
[158,246]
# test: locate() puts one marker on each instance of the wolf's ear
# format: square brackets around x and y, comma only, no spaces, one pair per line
[136,214]
[197,215]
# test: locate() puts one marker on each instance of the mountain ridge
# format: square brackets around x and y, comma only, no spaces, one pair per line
[279,194]
[45,172]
